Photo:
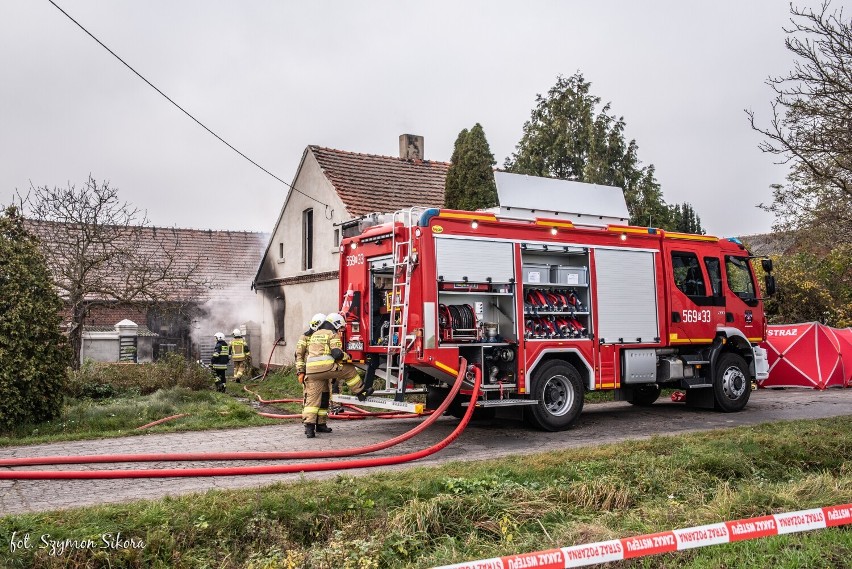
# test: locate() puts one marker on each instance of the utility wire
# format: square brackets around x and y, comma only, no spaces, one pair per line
[184,111]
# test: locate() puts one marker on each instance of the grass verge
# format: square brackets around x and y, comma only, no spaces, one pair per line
[120,416]
[430,516]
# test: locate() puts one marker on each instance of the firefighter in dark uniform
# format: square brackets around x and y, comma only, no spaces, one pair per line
[327,361]
[219,360]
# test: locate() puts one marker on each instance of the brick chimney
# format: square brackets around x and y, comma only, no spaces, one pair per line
[410,147]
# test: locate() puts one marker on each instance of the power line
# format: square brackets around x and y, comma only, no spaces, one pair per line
[184,111]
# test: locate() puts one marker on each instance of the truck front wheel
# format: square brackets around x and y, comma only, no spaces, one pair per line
[731,385]
[559,390]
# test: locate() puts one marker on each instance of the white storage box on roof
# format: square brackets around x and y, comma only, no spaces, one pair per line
[529,197]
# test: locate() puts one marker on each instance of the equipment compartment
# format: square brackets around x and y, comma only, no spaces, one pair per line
[477,316]
[558,306]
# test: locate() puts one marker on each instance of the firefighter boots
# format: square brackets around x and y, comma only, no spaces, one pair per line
[323,428]
[362,396]
[310,430]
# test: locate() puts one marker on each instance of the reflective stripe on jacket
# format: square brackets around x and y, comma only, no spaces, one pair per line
[301,350]
[220,356]
[320,345]
[239,349]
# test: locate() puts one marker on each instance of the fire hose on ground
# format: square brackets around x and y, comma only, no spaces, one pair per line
[361,413]
[248,470]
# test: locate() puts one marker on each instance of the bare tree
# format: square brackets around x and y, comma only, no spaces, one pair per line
[811,125]
[101,252]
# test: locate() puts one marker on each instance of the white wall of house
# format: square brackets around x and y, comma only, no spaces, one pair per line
[285,259]
[104,346]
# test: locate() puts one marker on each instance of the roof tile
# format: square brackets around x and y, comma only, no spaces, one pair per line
[226,260]
[368,183]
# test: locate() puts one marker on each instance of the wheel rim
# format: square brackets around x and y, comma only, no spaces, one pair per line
[734,383]
[558,396]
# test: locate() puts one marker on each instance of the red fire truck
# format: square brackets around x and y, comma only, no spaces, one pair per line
[550,305]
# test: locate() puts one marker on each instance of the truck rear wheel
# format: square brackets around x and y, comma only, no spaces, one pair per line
[559,390]
[731,384]
[645,395]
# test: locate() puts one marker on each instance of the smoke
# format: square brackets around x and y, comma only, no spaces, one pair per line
[228,308]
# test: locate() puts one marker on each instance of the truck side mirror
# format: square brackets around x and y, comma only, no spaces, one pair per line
[769,284]
[766,264]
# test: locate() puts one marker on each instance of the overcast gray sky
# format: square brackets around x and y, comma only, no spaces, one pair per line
[272,77]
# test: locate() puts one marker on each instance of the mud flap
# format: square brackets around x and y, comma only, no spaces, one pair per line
[702,398]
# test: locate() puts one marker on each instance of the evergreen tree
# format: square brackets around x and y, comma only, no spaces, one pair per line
[33,353]
[470,178]
[684,219]
[565,138]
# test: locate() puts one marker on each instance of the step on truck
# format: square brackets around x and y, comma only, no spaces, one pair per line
[551,295]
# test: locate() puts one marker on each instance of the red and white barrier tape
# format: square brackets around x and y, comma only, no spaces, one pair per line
[663,542]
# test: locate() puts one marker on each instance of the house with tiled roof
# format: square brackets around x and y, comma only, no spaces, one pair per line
[217,297]
[767,244]
[297,276]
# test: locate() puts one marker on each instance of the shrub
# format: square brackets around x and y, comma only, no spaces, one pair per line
[98,380]
[33,352]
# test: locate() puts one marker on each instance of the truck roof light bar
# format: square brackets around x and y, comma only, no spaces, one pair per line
[558,223]
[456,214]
[690,237]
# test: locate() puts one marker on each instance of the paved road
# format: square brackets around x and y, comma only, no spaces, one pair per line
[600,423]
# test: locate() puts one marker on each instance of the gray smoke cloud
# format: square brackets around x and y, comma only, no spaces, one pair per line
[230,308]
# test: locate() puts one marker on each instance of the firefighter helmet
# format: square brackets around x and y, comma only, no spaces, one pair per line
[237,333]
[316,321]
[219,336]
[336,320]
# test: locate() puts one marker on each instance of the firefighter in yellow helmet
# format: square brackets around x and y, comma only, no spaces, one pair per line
[240,354]
[327,361]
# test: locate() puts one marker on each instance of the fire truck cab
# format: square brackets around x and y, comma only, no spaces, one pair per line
[550,302]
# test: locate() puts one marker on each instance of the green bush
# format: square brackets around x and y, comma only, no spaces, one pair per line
[33,352]
[98,380]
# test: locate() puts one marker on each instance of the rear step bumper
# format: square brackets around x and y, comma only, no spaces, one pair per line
[502,402]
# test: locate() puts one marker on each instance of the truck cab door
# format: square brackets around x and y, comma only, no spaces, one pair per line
[743,310]
[697,300]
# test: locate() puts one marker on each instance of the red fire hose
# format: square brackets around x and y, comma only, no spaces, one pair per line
[272,351]
[252,470]
[267,455]
[163,420]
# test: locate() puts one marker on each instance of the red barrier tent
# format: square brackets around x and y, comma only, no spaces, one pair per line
[844,336]
[805,355]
